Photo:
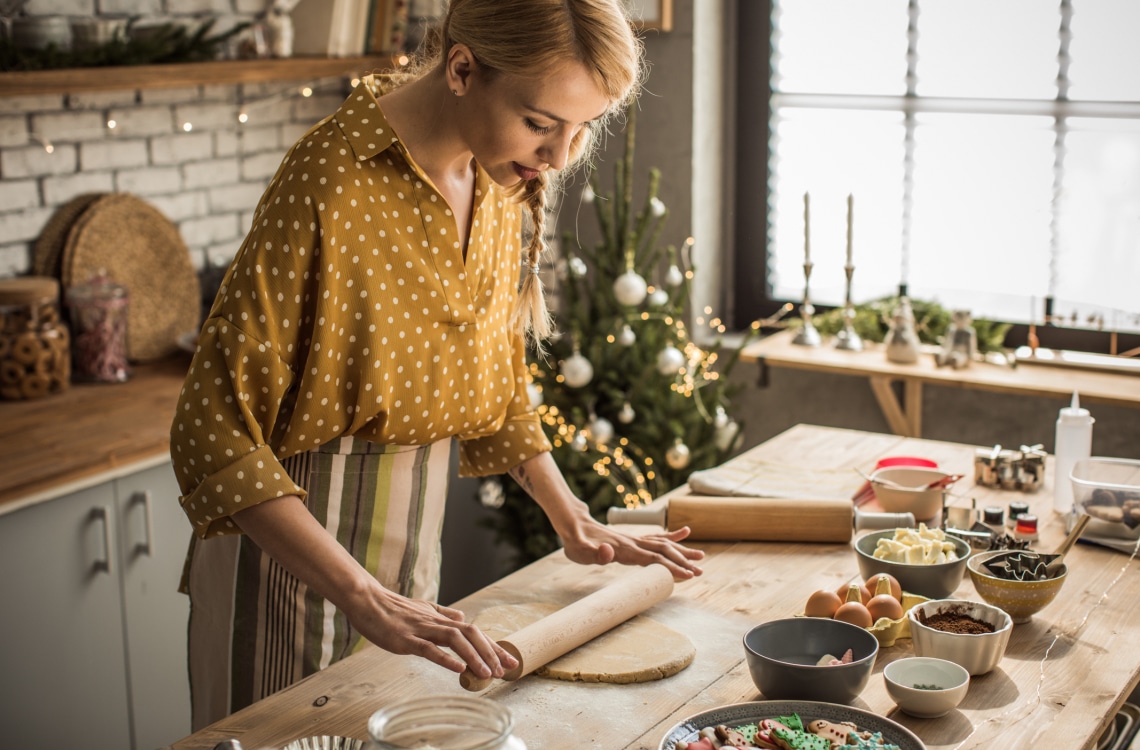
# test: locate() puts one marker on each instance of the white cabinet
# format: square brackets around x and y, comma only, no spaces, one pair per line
[93,630]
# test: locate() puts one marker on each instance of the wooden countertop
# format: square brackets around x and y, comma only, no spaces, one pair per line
[88,431]
[1059,684]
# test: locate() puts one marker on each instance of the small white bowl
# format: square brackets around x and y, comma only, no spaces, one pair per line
[978,654]
[926,687]
[924,504]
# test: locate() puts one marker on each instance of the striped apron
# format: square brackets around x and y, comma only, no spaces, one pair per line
[255,629]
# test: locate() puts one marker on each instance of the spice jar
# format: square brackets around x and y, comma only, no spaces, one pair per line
[446,722]
[99,322]
[34,353]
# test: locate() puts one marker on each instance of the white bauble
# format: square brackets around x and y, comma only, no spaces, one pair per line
[578,442]
[626,415]
[601,429]
[491,493]
[588,194]
[534,393]
[659,298]
[630,288]
[577,370]
[678,455]
[578,267]
[728,437]
[674,277]
[721,417]
[670,360]
[626,336]
[656,207]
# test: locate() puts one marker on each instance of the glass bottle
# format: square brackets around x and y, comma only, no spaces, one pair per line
[35,359]
[99,325]
[443,722]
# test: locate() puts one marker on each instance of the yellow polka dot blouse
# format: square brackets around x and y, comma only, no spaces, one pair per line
[350,310]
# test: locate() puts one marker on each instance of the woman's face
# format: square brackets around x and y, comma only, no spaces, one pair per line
[517,127]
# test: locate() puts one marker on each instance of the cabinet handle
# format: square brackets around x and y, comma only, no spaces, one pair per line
[101,514]
[146,547]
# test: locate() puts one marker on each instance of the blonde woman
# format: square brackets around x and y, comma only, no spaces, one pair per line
[373,314]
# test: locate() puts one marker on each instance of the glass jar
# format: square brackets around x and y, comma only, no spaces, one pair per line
[443,722]
[35,358]
[99,323]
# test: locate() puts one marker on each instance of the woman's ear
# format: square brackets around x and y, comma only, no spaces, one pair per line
[460,66]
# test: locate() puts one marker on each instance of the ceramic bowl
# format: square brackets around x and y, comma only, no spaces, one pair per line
[782,657]
[924,504]
[977,654]
[926,687]
[1019,599]
[932,581]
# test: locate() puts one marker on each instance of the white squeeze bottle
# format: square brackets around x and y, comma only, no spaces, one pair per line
[1073,442]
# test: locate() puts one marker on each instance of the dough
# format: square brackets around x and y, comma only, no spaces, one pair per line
[638,650]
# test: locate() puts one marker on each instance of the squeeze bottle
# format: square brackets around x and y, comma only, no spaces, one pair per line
[1073,442]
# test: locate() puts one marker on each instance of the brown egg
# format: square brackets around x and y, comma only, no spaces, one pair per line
[864,592]
[822,604]
[854,613]
[884,605]
[873,585]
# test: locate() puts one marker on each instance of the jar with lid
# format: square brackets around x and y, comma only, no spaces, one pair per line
[35,358]
[98,310]
[443,722]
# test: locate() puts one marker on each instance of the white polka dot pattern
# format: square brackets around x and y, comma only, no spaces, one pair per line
[352,311]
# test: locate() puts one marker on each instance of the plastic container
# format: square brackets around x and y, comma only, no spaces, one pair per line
[443,722]
[99,322]
[1073,442]
[35,357]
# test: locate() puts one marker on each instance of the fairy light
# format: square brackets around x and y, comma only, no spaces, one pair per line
[243,116]
[187,126]
[306,91]
[111,124]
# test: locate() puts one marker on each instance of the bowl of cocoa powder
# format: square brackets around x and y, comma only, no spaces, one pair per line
[970,634]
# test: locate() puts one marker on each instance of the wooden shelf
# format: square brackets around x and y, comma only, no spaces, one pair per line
[177,75]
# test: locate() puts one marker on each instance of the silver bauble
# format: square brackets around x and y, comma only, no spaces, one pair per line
[659,298]
[534,394]
[720,419]
[578,267]
[670,360]
[626,415]
[728,437]
[601,429]
[626,336]
[678,455]
[578,442]
[674,277]
[491,493]
[630,289]
[577,370]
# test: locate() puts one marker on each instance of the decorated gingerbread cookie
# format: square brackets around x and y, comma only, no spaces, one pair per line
[874,742]
[794,739]
[836,734]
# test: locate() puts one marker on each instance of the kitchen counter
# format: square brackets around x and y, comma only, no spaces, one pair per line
[88,434]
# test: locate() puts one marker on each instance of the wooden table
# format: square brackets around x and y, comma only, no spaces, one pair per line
[904,416]
[1062,701]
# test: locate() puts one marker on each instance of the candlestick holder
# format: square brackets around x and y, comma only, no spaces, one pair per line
[848,339]
[808,335]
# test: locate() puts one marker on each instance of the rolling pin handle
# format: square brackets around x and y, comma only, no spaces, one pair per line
[652,514]
[469,681]
[867,521]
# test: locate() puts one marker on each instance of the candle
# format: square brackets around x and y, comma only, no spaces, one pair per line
[850,221]
[807,228]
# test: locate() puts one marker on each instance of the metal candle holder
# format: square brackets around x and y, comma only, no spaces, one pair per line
[807,335]
[848,339]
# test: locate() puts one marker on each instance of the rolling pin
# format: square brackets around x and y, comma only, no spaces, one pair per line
[565,630]
[760,519]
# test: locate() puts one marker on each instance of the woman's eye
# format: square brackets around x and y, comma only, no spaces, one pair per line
[541,130]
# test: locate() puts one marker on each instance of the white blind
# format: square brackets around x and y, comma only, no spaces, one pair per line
[993,150]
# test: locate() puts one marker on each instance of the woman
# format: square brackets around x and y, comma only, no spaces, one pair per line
[371,315]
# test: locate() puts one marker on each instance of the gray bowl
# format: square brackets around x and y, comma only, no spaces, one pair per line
[932,581]
[782,656]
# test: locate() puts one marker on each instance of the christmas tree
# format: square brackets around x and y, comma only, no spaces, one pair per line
[631,404]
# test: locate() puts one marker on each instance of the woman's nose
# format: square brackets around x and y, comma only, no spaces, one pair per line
[556,151]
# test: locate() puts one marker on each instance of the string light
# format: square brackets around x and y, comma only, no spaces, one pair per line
[187,126]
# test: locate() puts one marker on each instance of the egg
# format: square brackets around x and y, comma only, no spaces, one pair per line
[844,592]
[884,605]
[822,604]
[854,613]
[873,585]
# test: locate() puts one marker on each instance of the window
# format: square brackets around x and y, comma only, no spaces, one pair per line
[992,151]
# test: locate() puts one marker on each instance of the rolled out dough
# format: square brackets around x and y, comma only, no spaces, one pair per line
[638,650]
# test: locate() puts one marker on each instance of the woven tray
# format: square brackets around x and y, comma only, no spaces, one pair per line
[47,256]
[141,249]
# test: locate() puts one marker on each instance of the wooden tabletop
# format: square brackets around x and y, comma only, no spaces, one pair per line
[87,432]
[1120,389]
[1063,676]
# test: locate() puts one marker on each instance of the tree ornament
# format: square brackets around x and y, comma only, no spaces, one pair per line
[630,289]
[491,493]
[674,277]
[728,436]
[588,194]
[626,337]
[678,455]
[601,429]
[656,207]
[577,370]
[534,394]
[578,442]
[659,298]
[720,419]
[670,360]
[578,267]
[626,415]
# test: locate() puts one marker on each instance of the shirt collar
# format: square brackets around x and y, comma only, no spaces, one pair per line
[363,123]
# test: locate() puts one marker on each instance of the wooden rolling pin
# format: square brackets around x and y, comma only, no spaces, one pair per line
[760,519]
[565,630]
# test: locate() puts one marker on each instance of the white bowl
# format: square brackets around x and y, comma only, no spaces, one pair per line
[924,504]
[926,687]
[978,654]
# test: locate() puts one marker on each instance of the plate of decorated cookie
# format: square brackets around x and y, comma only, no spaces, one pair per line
[796,725]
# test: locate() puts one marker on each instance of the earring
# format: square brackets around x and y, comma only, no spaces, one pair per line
[455,92]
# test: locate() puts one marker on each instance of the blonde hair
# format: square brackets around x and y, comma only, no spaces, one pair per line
[528,38]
